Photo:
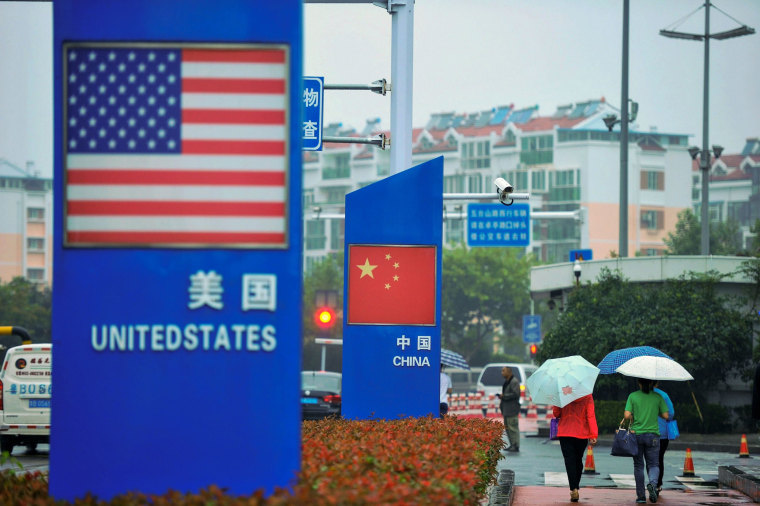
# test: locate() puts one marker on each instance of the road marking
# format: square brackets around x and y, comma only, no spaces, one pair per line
[696,483]
[555,479]
[624,480]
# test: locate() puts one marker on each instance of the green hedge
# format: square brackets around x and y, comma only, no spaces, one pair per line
[716,418]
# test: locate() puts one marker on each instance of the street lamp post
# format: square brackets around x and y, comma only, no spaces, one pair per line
[704,164]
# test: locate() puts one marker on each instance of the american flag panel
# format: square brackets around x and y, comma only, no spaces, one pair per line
[176,145]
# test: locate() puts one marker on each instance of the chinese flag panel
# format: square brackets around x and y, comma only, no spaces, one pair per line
[391,285]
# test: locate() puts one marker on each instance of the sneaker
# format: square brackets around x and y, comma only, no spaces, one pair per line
[641,499]
[652,492]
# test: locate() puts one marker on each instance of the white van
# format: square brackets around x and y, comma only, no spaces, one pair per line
[463,381]
[491,380]
[25,390]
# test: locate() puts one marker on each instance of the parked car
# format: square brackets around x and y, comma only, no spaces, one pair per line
[25,391]
[320,394]
[491,380]
[463,381]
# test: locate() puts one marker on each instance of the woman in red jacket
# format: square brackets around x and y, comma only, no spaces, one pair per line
[577,427]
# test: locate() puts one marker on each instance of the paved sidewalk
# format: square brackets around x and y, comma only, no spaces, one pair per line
[588,496]
[739,484]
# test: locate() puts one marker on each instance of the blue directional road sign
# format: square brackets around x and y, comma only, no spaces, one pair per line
[581,254]
[498,225]
[531,328]
[313,98]
[177,303]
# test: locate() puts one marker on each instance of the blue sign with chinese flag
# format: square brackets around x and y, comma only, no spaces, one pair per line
[391,328]
[498,225]
[177,246]
[313,97]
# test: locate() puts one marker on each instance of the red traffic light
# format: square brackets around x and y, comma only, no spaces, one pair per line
[533,350]
[325,317]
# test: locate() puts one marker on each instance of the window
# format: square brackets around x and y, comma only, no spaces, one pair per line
[337,166]
[538,180]
[335,195]
[308,198]
[537,150]
[652,220]
[652,252]
[35,244]
[475,183]
[715,212]
[652,180]
[337,233]
[35,214]
[35,274]
[739,212]
[518,178]
[453,184]
[454,231]
[315,234]
[572,135]
[476,155]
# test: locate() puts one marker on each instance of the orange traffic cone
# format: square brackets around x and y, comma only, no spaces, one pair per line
[743,448]
[589,468]
[688,464]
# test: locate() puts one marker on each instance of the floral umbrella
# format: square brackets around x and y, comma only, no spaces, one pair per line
[560,381]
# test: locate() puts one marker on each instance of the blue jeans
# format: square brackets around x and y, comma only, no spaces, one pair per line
[649,450]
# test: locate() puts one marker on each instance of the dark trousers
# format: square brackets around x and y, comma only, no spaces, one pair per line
[572,452]
[663,448]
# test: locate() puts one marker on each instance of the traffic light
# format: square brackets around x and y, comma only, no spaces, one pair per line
[533,350]
[325,317]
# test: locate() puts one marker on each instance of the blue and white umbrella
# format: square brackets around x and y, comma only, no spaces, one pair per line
[453,359]
[615,359]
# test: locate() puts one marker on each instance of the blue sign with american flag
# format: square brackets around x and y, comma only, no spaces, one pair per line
[175,145]
[177,246]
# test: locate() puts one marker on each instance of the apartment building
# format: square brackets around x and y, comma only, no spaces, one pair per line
[733,190]
[567,161]
[26,224]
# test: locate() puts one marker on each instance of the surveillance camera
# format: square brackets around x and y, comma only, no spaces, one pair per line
[503,187]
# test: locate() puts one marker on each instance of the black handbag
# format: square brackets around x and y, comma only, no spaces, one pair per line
[624,444]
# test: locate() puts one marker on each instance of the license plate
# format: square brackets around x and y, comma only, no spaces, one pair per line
[39,403]
[308,400]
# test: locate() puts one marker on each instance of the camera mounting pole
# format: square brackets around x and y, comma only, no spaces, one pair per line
[381,87]
[379,140]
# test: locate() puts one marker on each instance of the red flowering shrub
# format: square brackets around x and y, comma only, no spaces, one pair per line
[410,461]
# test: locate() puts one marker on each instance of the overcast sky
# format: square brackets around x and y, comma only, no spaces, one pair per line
[469,55]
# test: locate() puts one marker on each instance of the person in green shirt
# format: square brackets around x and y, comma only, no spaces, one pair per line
[641,410]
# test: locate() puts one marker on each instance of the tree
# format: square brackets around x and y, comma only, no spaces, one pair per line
[484,290]
[687,239]
[28,305]
[683,317]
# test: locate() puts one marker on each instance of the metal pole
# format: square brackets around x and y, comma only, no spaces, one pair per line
[402,59]
[623,239]
[705,161]
[324,348]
